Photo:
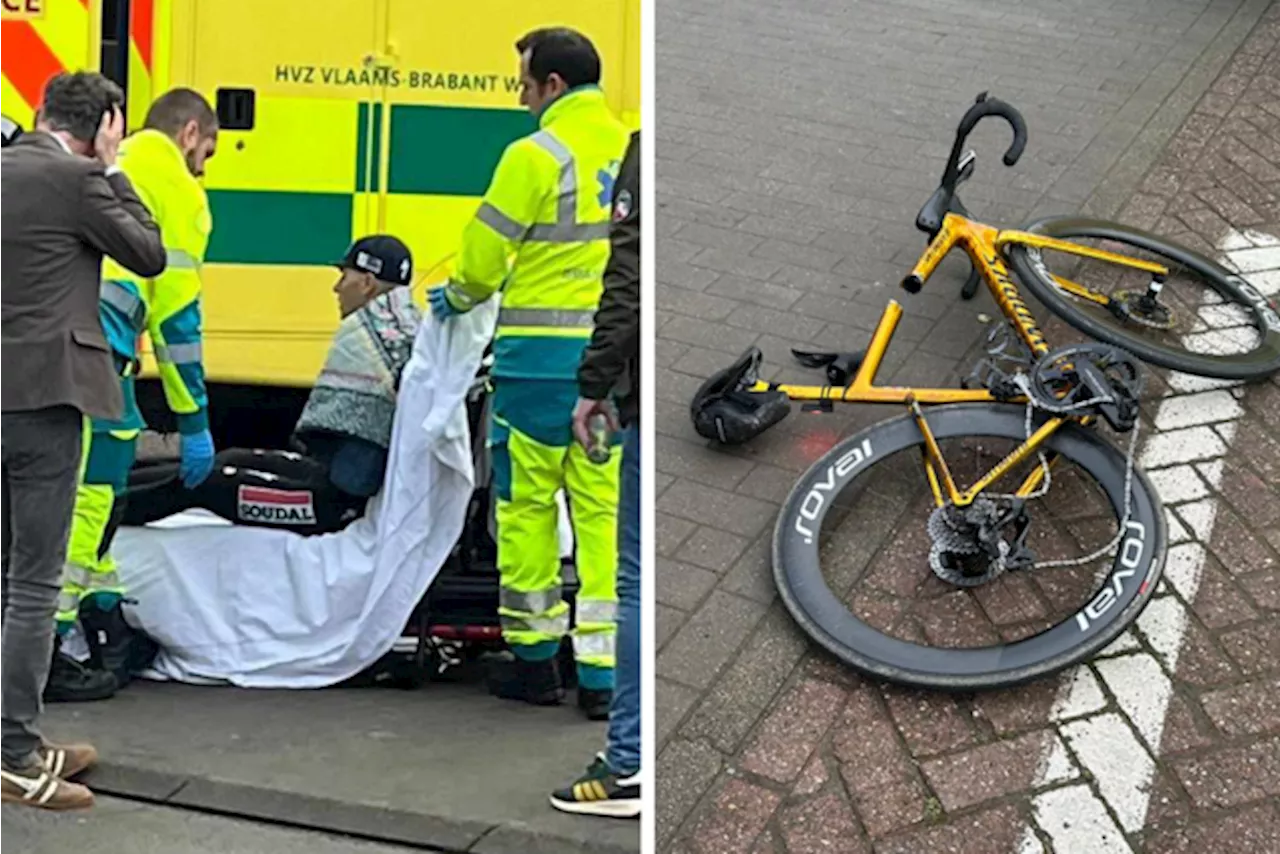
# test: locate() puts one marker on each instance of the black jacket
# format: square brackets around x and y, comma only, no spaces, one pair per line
[612,359]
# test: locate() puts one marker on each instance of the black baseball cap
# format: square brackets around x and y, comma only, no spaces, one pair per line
[384,257]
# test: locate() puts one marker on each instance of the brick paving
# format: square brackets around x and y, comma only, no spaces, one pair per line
[795,144]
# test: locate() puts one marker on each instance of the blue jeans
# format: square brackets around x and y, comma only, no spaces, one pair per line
[623,753]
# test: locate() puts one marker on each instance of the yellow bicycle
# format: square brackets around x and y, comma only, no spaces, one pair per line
[1042,540]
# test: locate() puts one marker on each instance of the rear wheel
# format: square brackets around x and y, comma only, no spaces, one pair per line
[854,554]
[1205,320]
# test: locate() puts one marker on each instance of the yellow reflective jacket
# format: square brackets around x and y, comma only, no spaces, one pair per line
[167,307]
[541,235]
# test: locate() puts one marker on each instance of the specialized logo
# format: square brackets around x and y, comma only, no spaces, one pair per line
[1012,300]
[276,506]
[816,499]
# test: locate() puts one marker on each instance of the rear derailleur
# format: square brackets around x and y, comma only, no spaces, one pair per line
[977,543]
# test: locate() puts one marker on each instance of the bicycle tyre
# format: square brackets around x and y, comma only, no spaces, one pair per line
[1259,363]
[798,576]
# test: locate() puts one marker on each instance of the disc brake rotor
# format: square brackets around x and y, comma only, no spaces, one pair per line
[1138,307]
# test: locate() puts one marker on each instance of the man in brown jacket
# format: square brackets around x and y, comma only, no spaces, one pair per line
[65,205]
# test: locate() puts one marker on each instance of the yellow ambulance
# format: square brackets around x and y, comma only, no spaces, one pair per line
[339,118]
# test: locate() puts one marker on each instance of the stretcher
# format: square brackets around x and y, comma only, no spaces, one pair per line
[410,589]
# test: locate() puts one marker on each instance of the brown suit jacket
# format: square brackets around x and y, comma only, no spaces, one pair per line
[59,214]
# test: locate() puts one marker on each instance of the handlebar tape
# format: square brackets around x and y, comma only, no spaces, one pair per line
[995,107]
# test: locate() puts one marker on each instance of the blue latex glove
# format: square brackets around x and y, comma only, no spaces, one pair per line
[197,458]
[441,305]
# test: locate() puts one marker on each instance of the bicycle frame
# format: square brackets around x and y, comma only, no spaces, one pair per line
[984,245]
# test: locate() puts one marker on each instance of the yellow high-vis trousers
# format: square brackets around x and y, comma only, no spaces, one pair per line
[534,458]
[90,569]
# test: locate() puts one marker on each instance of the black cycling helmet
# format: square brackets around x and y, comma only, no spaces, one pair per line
[11,130]
[724,410]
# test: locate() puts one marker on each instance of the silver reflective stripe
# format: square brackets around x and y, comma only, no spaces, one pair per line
[74,575]
[103,581]
[596,611]
[178,259]
[567,207]
[555,626]
[569,232]
[545,317]
[179,354]
[596,643]
[566,228]
[500,222]
[461,296]
[118,297]
[68,603]
[529,602]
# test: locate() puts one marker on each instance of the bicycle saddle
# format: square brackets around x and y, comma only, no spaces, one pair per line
[725,410]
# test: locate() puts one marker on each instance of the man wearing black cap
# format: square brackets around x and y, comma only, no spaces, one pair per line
[341,440]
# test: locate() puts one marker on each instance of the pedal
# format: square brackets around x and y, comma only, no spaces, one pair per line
[1002,385]
[818,406]
[1111,407]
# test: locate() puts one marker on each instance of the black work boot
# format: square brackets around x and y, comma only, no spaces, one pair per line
[114,645]
[72,682]
[595,703]
[512,678]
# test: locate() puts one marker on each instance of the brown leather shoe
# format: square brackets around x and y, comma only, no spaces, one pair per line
[68,760]
[36,787]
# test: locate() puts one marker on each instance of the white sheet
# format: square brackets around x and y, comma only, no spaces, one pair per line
[263,608]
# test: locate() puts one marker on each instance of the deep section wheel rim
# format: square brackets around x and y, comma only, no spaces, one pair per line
[798,572]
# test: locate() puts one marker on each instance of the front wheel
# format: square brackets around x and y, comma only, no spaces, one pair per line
[853,554]
[1205,319]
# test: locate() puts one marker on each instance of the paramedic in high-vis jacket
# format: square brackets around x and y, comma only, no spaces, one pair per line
[164,161]
[541,235]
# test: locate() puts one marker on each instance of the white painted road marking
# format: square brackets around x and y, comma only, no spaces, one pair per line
[1194,428]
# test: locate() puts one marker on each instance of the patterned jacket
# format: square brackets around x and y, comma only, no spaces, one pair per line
[355,394]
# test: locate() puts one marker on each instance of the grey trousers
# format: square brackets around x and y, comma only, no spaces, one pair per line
[41,458]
